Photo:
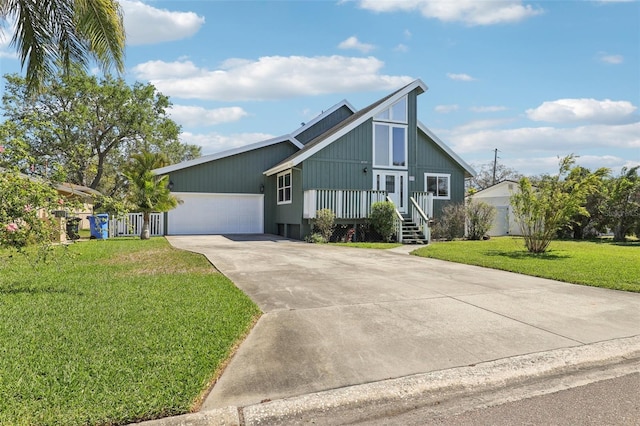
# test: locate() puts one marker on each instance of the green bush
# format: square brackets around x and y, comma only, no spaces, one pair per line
[325,223]
[451,223]
[480,216]
[316,238]
[382,218]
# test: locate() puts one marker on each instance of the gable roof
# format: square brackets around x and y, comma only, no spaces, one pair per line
[345,127]
[469,171]
[324,114]
[291,137]
[494,187]
[227,153]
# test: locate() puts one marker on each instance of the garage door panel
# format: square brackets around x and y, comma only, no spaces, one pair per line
[206,213]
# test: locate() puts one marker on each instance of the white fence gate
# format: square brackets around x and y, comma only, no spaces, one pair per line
[131,225]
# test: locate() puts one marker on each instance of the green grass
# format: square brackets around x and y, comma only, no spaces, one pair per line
[595,263]
[381,246]
[113,332]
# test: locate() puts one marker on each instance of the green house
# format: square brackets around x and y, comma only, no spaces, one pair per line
[344,160]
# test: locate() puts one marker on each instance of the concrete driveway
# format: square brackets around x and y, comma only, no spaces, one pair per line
[339,316]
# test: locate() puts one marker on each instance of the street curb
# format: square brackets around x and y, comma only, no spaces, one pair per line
[420,390]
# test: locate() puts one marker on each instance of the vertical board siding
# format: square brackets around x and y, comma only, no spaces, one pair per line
[241,173]
[432,159]
[340,165]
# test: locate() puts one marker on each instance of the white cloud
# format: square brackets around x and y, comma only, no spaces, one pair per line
[198,116]
[160,70]
[470,12]
[407,34]
[353,43]
[216,142]
[401,48]
[610,59]
[460,77]
[145,24]
[488,108]
[445,109]
[269,77]
[7,29]
[590,110]
[545,139]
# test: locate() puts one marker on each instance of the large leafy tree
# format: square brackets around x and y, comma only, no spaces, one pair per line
[50,33]
[148,192]
[622,212]
[543,209]
[484,177]
[89,126]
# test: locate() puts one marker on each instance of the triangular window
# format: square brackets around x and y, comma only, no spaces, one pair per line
[396,112]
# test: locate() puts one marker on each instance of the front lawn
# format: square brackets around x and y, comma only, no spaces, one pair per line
[600,264]
[113,332]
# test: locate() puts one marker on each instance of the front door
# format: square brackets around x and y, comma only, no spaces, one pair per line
[395,183]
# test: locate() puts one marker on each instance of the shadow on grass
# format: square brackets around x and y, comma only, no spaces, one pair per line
[526,255]
[8,290]
[630,243]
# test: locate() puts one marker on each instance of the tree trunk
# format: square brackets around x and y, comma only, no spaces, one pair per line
[145,234]
[619,233]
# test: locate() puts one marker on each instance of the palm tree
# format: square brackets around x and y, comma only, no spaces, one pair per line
[49,33]
[148,192]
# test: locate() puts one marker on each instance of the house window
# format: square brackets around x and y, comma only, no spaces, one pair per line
[284,187]
[389,145]
[396,112]
[439,184]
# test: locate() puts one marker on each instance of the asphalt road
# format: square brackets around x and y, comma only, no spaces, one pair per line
[608,402]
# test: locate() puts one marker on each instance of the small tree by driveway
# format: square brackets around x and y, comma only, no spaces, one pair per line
[148,192]
[542,210]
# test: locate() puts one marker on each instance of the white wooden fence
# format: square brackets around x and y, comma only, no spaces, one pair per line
[131,225]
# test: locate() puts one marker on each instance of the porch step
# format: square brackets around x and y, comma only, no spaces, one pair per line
[411,233]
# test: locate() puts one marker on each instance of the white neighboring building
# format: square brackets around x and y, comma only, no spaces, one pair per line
[498,195]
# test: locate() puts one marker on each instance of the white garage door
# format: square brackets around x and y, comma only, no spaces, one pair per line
[203,213]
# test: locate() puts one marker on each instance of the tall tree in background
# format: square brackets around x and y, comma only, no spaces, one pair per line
[89,127]
[622,211]
[148,192]
[587,224]
[50,33]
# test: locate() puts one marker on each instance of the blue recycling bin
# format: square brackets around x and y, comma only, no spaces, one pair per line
[99,226]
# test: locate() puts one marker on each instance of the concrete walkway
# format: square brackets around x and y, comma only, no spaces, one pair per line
[336,316]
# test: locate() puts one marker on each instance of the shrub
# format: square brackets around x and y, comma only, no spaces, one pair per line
[382,218]
[315,238]
[451,223]
[325,223]
[480,216]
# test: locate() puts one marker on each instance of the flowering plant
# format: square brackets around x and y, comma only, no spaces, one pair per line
[23,206]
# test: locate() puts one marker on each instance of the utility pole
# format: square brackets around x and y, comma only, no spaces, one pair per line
[495,163]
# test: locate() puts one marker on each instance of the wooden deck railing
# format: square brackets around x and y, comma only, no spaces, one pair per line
[345,203]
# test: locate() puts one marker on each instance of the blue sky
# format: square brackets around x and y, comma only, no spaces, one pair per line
[536,80]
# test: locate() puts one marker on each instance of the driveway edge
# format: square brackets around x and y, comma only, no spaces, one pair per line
[395,396]
[360,402]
